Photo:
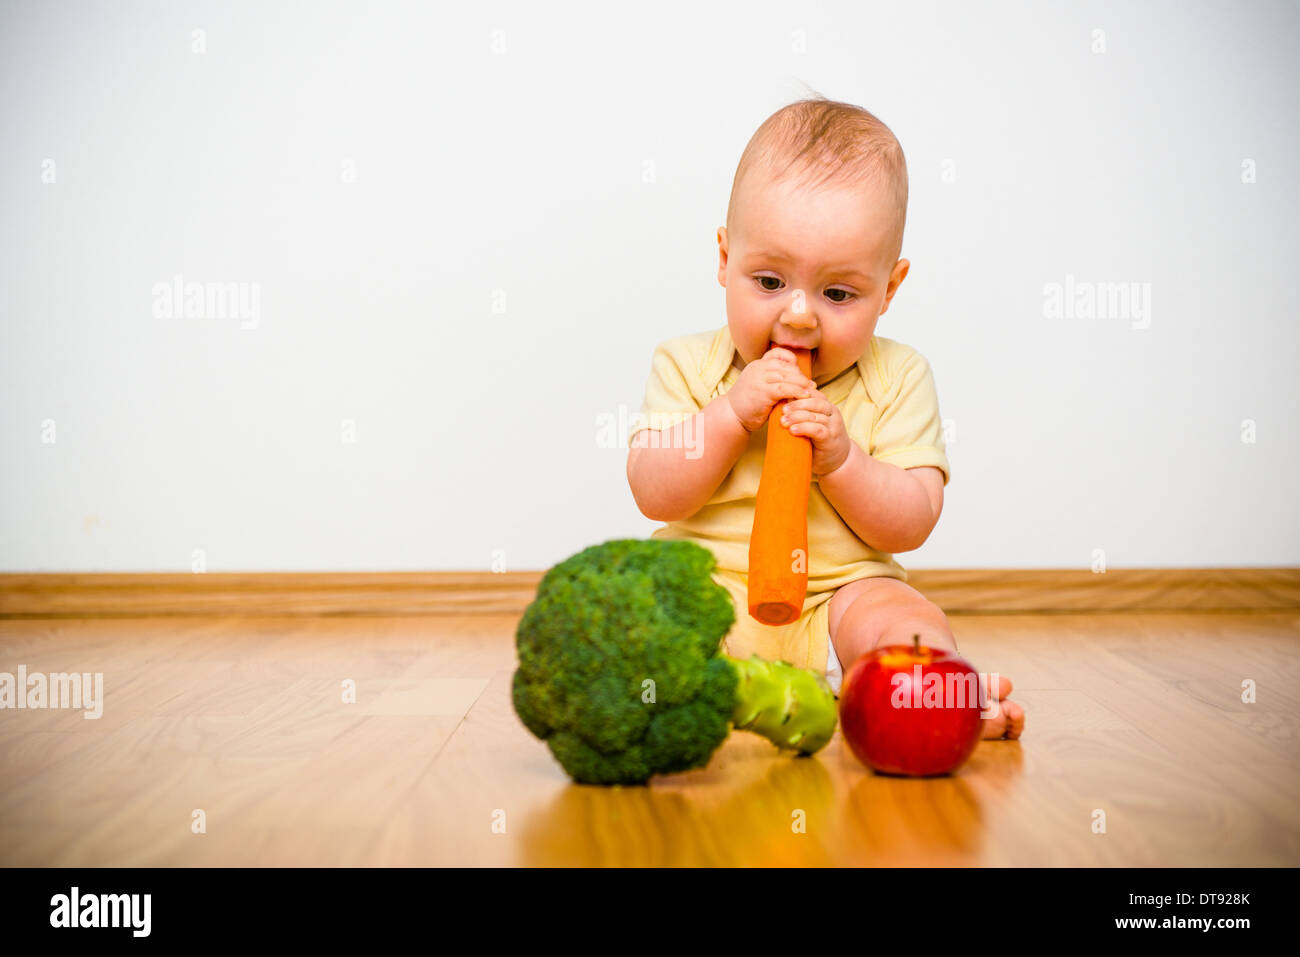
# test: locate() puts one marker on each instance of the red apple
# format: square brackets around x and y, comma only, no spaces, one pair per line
[911,710]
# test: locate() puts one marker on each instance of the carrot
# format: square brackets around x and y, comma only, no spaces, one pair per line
[778,544]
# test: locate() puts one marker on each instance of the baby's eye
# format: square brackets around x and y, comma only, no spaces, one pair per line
[763,279]
[847,295]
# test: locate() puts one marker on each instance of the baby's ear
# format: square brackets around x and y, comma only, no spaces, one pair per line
[896,277]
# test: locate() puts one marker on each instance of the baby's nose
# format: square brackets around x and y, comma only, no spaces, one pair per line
[798,316]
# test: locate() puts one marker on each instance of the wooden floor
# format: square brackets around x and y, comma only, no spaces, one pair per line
[1138,717]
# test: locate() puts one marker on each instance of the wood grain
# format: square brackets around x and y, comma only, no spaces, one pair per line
[1135,717]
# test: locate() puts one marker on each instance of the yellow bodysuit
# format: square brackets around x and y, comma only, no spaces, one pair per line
[890,409]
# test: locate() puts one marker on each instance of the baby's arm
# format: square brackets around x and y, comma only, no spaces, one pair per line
[673,472]
[890,508]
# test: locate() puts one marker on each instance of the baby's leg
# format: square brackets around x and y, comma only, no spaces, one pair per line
[871,612]
[884,611]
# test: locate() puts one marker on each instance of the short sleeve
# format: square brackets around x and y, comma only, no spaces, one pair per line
[669,397]
[908,431]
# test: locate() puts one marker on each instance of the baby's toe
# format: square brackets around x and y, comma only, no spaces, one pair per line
[1002,689]
[1015,718]
[1008,722]
[995,725]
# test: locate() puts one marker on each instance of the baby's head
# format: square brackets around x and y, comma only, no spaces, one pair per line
[809,255]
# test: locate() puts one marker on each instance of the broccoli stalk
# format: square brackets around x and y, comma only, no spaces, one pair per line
[791,707]
[621,672]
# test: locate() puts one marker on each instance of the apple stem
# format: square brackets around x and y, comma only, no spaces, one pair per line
[916,644]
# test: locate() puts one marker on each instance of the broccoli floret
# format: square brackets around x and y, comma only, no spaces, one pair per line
[621,672]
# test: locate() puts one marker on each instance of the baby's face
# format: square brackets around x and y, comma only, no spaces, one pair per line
[806,268]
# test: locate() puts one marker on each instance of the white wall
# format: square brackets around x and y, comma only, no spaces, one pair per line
[521,170]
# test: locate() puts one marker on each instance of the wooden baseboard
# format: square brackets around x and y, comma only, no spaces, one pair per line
[1074,591]
[956,591]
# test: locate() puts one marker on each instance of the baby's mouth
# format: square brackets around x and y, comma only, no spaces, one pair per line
[812,352]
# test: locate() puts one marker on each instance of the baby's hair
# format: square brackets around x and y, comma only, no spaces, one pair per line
[822,141]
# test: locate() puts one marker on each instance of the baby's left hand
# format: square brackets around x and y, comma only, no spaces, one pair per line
[817,418]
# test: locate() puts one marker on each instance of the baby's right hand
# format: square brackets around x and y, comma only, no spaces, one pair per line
[765,382]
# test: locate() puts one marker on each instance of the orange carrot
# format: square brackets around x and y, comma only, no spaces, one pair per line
[778,544]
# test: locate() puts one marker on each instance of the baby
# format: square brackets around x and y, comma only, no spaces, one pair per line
[809,260]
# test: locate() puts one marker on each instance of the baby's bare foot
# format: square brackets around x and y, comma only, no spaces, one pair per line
[1008,719]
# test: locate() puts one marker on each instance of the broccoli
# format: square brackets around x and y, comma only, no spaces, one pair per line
[621,673]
